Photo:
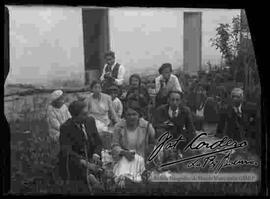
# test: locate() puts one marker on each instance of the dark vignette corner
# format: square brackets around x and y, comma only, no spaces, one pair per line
[5,167]
[258,35]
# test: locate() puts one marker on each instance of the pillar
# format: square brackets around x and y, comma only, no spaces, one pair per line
[192,42]
[96,41]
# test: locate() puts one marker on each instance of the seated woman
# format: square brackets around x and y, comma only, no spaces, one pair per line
[138,94]
[133,141]
[80,144]
[117,104]
[57,114]
[100,107]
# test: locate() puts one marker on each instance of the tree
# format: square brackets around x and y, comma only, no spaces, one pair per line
[227,40]
[221,41]
[235,45]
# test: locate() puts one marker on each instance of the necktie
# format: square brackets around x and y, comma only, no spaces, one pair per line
[238,112]
[109,68]
[84,131]
[174,113]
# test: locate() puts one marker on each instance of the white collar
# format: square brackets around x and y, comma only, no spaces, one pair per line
[161,77]
[112,65]
[238,108]
[171,111]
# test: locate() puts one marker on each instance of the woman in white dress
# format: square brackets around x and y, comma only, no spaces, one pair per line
[100,106]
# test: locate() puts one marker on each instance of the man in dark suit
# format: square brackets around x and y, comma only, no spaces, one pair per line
[175,118]
[80,144]
[235,120]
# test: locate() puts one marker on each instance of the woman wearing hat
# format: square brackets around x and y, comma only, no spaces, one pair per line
[165,83]
[57,114]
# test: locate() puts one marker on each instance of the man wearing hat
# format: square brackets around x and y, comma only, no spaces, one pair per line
[165,83]
[57,114]
[234,119]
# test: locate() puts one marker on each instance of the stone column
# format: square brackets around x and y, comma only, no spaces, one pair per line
[96,41]
[192,42]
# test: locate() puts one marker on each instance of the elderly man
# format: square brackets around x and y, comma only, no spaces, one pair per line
[232,120]
[57,114]
[165,83]
[113,72]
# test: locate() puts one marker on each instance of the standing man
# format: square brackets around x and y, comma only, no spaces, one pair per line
[165,83]
[113,72]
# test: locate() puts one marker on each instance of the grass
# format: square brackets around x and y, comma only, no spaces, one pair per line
[33,171]
[33,160]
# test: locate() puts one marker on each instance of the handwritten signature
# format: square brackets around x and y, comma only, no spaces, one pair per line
[223,145]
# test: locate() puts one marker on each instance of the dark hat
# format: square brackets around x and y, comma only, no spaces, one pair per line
[163,66]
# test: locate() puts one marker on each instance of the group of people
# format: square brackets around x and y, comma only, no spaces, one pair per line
[129,124]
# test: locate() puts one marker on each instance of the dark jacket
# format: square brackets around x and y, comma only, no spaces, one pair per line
[115,70]
[108,82]
[134,94]
[211,110]
[183,123]
[235,127]
[72,145]
[195,100]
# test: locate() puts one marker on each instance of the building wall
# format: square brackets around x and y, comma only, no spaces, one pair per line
[144,39]
[46,46]
[46,43]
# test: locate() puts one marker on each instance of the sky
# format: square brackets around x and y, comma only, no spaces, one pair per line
[46,43]
[145,38]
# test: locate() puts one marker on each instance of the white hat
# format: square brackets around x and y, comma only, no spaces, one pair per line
[56,94]
[237,91]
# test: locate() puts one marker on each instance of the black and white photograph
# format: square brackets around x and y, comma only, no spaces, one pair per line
[132,101]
